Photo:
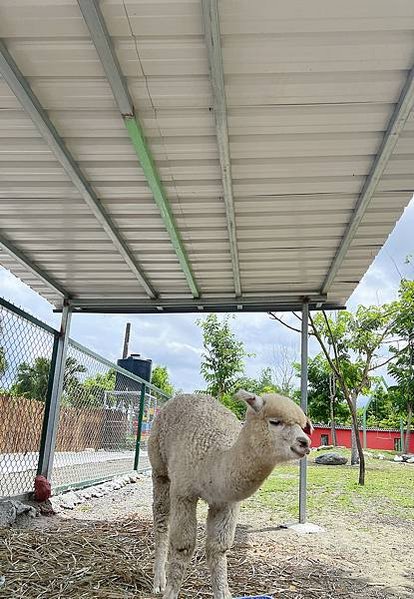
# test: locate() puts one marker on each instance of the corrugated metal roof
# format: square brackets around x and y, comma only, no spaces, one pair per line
[310,90]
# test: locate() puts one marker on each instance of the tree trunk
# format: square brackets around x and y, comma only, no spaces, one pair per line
[354,448]
[354,435]
[408,433]
[356,441]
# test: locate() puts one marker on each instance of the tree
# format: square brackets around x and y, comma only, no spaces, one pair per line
[93,389]
[263,384]
[223,358]
[384,410]
[325,402]
[285,370]
[160,377]
[33,379]
[351,345]
[402,368]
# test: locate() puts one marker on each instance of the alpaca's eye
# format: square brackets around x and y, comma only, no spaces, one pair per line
[275,422]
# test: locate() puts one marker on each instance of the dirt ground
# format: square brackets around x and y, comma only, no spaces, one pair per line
[369,559]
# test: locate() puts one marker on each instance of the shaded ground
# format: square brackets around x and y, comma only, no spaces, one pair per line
[103,549]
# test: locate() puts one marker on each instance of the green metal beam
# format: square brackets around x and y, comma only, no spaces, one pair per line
[31,105]
[144,156]
[95,22]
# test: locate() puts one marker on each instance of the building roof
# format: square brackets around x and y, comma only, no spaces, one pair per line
[348,428]
[187,154]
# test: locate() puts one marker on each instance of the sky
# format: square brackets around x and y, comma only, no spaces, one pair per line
[175,341]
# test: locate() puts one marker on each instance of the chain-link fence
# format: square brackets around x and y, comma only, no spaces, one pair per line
[104,418]
[26,347]
[102,411]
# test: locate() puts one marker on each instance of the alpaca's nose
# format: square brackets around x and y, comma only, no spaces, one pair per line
[303,442]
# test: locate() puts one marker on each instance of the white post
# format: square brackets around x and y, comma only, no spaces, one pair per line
[52,408]
[303,405]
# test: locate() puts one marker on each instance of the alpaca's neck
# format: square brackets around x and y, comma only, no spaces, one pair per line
[238,472]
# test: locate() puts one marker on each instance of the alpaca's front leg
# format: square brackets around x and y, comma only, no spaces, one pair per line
[221,526]
[161,512]
[183,532]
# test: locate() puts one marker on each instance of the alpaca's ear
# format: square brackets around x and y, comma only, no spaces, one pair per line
[308,429]
[254,401]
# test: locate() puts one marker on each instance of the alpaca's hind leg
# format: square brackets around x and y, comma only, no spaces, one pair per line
[161,514]
[221,526]
[183,531]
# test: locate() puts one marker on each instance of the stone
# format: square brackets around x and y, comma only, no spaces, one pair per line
[12,511]
[398,458]
[410,460]
[331,459]
[56,503]
[321,447]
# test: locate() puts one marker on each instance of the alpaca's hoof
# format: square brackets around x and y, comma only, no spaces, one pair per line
[170,593]
[157,589]
[159,584]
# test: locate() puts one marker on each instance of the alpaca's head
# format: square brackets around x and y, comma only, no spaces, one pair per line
[285,421]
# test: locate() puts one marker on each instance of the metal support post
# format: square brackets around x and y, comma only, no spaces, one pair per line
[303,405]
[139,427]
[54,395]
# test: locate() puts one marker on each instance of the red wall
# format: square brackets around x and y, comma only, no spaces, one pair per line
[376,439]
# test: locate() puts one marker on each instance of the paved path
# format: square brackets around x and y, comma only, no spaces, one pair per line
[17,471]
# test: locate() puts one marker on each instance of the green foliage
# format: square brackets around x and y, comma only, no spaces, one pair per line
[32,379]
[237,407]
[356,340]
[263,384]
[161,378]
[319,377]
[402,367]
[385,408]
[92,392]
[223,358]
[3,361]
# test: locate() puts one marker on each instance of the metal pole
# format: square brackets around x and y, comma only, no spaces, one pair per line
[402,434]
[126,340]
[52,406]
[303,405]
[139,427]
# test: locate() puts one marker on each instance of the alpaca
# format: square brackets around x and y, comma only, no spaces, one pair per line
[199,450]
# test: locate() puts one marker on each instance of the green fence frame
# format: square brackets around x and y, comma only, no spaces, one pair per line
[145,387]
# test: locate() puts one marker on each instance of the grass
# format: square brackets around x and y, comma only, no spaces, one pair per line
[388,491]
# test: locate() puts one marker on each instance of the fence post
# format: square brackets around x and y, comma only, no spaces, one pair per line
[54,394]
[139,427]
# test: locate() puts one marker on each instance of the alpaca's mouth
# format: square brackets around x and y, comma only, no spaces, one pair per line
[300,454]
